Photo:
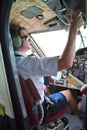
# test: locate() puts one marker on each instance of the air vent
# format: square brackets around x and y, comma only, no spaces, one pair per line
[55,23]
[32,12]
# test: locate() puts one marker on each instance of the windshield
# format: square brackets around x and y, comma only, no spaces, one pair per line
[52,43]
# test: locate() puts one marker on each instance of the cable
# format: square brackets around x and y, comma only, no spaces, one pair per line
[79,32]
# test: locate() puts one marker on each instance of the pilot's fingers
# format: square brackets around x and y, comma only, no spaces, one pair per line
[79,20]
[76,15]
[84,89]
[76,19]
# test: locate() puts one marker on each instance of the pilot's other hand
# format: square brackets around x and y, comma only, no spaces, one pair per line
[84,89]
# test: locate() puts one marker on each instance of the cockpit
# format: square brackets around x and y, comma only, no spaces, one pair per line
[46,22]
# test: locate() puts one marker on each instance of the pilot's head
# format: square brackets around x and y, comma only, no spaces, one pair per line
[20,39]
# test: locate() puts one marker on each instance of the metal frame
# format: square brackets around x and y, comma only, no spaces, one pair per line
[21,117]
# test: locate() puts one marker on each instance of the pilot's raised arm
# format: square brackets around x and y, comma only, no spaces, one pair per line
[67,57]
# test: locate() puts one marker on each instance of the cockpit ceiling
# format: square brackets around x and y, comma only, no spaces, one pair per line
[35,16]
[46,15]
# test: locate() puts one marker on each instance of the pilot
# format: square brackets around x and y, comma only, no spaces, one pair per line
[36,68]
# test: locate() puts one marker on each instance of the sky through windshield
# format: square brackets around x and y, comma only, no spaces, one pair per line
[53,43]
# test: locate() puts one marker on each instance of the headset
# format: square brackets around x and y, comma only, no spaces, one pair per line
[17,41]
[15,34]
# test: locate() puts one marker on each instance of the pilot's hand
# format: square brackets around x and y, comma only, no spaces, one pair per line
[84,89]
[76,20]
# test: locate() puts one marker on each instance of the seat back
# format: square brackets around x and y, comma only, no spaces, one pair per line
[31,99]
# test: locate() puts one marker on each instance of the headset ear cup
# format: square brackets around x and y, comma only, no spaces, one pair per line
[17,41]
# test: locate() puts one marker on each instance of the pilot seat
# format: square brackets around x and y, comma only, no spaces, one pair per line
[35,109]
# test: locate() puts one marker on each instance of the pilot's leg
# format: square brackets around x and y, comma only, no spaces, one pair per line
[72,102]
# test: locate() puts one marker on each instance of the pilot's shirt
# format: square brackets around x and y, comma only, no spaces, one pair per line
[36,68]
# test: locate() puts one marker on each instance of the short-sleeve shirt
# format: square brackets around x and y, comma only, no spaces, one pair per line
[36,68]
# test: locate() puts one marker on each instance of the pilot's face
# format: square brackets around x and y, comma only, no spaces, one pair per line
[25,40]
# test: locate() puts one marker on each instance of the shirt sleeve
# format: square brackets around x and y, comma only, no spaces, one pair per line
[33,66]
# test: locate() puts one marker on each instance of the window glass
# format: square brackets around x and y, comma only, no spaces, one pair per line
[52,43]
